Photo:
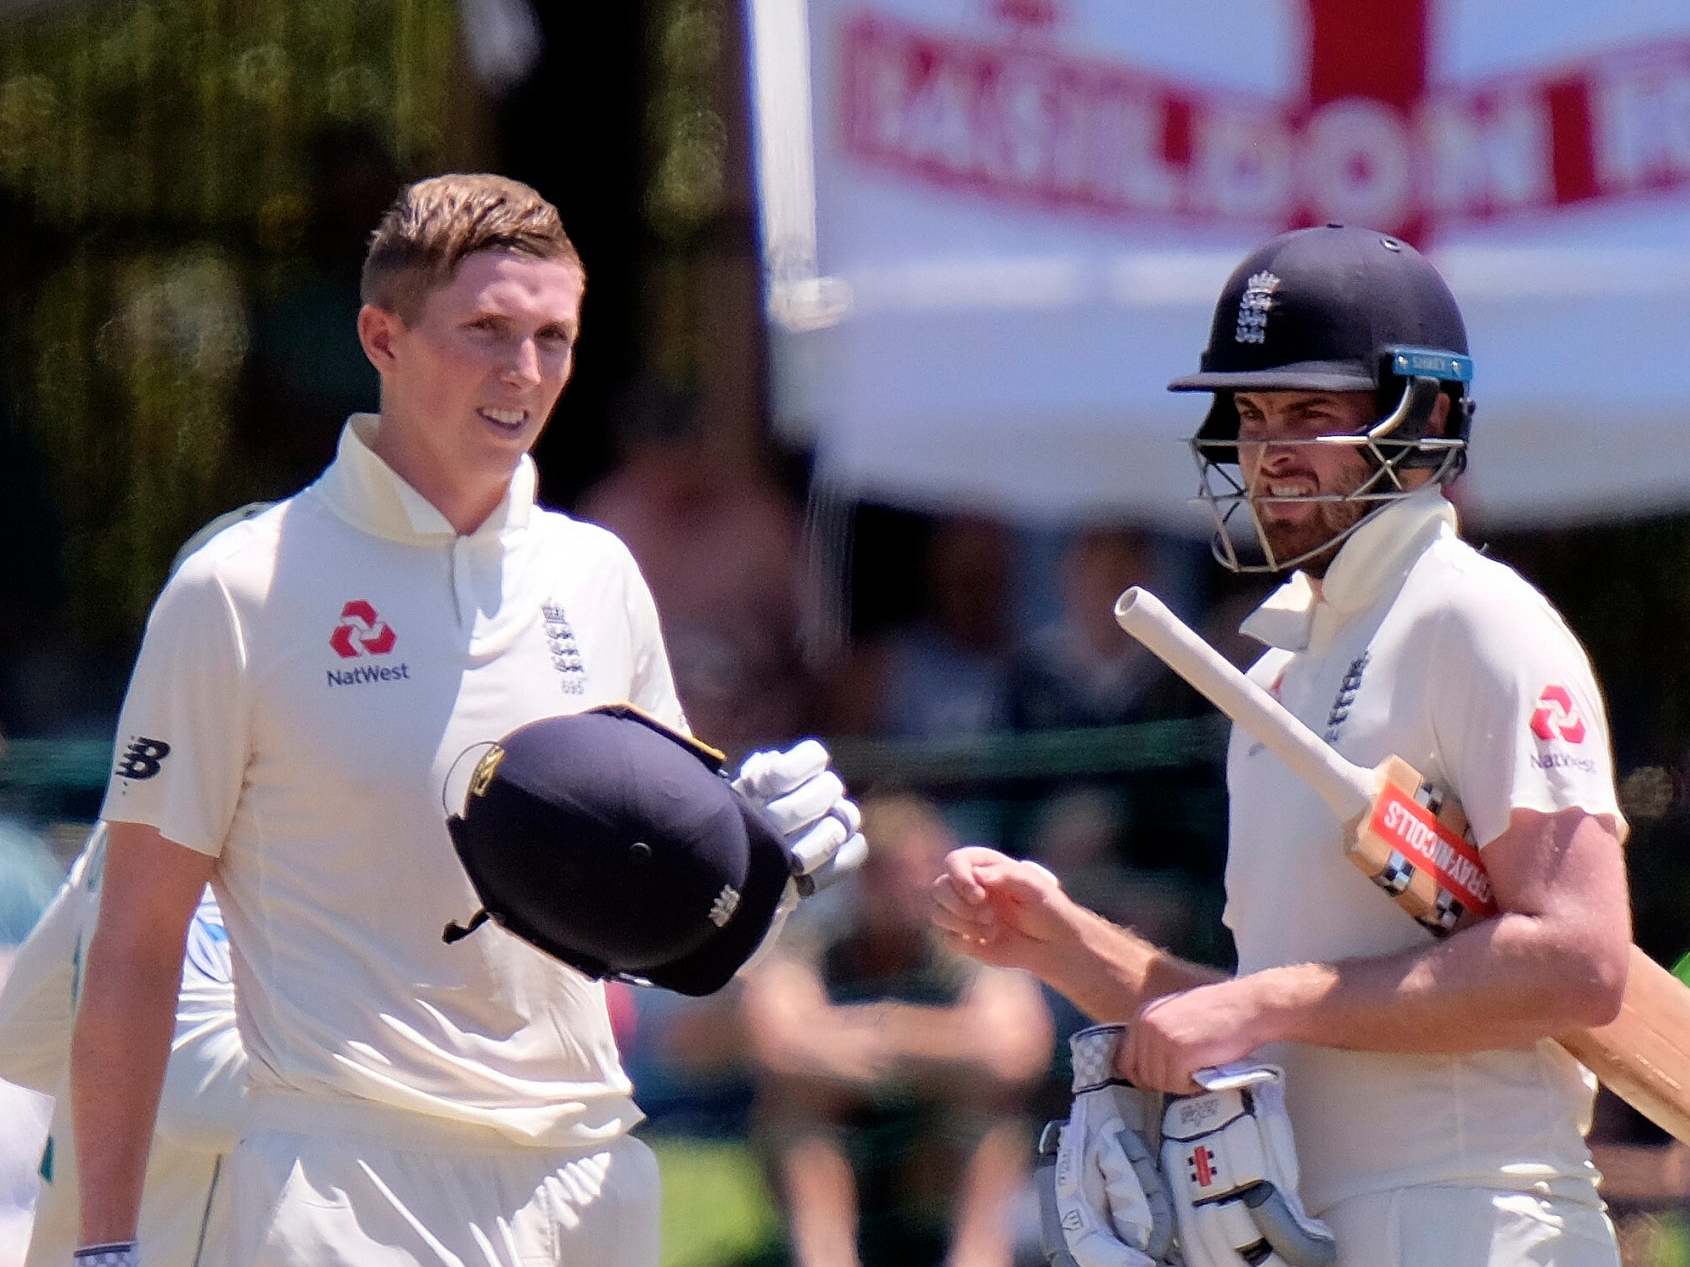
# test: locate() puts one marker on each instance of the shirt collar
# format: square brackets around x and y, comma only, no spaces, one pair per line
[1377,554]
[367,493]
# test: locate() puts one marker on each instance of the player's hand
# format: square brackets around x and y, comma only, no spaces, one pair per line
[1000,910]
[1194,1029]
[807,802]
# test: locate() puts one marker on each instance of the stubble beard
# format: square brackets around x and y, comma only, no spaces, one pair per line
[1329,522]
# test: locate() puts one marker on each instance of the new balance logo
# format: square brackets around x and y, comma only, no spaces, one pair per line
[361,632]
[142,758]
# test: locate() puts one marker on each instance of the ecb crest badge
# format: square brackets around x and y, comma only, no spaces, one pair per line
[565,651]
[1253,308]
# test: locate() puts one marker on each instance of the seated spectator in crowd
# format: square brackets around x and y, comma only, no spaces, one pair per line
[1081,670]
[893,1076]
[1134,843]
[946,673]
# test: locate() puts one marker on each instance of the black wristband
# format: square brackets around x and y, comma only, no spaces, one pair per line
[110,1254]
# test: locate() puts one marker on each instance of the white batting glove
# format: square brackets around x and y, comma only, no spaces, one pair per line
[1103,1203]
[807,802]
[1231,1165]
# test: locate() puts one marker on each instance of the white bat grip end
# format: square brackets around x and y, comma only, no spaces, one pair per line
[1347,789]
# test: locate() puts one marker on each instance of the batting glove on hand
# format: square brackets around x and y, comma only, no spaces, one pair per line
[807,802]
[1102,1202]
[1231,1164]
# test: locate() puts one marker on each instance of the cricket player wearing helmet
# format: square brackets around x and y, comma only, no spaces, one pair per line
[306,684]
[1434,1121]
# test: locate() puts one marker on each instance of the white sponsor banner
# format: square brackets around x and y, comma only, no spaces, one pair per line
[996,228]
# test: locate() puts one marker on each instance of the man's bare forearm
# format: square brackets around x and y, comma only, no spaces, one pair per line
[118,1055]
[1109,972]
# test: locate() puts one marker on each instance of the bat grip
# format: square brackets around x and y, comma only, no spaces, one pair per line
[1347,789]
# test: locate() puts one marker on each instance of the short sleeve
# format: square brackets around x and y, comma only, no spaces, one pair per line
[1517,715]
[182,739]
[653,687]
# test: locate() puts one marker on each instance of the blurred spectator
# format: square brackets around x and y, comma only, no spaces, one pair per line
[28,878]
[717,542]
[946,674]
[1081,670]
[891,1074]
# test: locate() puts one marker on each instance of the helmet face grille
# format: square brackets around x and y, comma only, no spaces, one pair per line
[1390,453]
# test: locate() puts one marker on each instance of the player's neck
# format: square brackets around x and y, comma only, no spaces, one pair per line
[463,500]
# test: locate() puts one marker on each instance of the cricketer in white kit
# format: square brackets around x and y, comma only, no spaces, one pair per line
[307,683]
[1433,1118]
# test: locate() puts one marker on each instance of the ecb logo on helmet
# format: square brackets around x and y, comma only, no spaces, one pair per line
[1253,308]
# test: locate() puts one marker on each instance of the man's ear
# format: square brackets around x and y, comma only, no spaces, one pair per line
[377,330]
[1439,421]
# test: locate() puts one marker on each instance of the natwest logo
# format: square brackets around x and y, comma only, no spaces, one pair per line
[361,632]
[1555,716]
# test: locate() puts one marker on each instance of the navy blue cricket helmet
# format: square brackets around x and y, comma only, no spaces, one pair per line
[618,846]
[1337,308]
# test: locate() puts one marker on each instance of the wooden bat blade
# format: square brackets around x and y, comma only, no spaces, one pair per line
[1643,1054]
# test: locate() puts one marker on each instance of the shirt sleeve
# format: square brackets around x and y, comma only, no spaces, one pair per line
[1518,718]
[182,739]
[653,687]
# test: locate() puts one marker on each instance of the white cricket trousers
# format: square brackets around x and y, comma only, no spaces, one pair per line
[1472,1227]
[339,1193]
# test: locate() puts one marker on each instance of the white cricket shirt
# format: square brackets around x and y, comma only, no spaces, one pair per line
[307,682]
[1421,647]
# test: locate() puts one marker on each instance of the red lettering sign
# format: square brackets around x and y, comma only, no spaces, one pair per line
[1369,141]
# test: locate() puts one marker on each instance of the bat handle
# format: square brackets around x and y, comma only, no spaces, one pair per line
[1347,789]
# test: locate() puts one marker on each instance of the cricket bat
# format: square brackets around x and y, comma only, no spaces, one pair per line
[1413,844]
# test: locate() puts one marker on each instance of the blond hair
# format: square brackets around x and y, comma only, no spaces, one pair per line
[435,223]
